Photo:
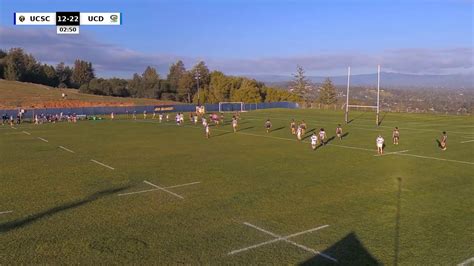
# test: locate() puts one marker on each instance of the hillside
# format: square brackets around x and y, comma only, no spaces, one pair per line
[14,94]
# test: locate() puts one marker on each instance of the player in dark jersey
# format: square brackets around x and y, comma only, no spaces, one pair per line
[444,138]
[396,136]
[268,125]
[293,126]
[339,131]
[303,127]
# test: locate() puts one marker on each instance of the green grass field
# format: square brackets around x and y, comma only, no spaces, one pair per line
[410,208]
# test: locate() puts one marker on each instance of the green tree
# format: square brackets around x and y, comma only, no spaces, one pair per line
[186,88]
[151,83]
[50,76]
[82,73]
[63,74]
[327,92]
[176,72]
[135,86]
[3,55]
[15,65]
[300,85]
[220,87]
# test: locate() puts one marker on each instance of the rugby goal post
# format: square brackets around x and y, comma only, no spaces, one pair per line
[231,107]
[376,107]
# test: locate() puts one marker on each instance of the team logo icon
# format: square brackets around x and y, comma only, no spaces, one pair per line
[113,18]
[21,18]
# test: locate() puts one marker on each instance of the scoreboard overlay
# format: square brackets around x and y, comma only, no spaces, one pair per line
[67,22]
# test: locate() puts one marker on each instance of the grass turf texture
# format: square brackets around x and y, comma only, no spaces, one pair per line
[14,94]
[66,209]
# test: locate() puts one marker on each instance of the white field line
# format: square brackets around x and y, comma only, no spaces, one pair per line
[466,262]
[472,140]
[138,192]
[66,149]
[433,158]
[25,132]
[394,152]
[155,189]
[104,165]
[5,212]
[284,238]
[335,145]
[187,184]
[43,139]
[164,189]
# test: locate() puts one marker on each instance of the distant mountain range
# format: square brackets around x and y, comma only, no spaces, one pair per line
[387,80]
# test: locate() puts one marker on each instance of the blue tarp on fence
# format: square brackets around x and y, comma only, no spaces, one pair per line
[149,109]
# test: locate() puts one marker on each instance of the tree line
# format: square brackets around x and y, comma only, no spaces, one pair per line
[181,84]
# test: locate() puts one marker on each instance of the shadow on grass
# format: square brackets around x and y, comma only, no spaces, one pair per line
[348,251]
[8,226]
[224,133]
[276,129]
[383,117]
[397,224]
[352,120]
[330,139]
[344,135]
[439,143]
[247,128]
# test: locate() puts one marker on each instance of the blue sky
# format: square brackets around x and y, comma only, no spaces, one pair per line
[257,37]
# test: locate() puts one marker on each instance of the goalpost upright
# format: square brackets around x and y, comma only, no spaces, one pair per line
[376,107]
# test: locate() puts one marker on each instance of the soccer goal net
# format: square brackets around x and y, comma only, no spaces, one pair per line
[231,107]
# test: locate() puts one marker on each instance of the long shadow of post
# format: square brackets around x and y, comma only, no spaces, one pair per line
[276,129]
[348,251]
[8,226]
[397,223]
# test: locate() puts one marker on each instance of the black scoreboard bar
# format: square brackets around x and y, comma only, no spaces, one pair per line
[68,18]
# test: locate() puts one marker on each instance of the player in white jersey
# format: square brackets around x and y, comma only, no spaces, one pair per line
[195,117]
[204,121]
[207,130]
[167,117]
[322,136]
[144,114]
[112,116]
[268,125]
[339,131]
[299,132]
[314,141]
[181,118]
[178,119]
[154,115]
[234,123]
[379,141]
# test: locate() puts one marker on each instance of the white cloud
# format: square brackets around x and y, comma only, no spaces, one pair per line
[111,59]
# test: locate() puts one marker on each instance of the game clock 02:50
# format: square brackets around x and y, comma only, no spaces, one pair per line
[67,29]
[68,19]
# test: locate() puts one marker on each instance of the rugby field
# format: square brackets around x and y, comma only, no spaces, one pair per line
[137,191]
